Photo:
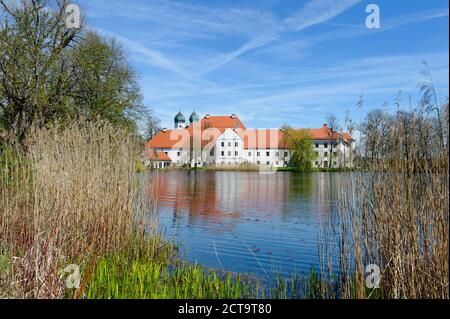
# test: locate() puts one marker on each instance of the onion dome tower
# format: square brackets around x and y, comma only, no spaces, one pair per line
[193,118]
[179,121]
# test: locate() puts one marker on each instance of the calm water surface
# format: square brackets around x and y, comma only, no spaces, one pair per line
[246,221]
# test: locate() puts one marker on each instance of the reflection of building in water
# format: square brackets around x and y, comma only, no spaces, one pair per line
[186,193]
[327,192]
[228,195]
[222,193]
[258,191]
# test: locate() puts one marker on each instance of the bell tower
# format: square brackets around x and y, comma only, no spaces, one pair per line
[179,121]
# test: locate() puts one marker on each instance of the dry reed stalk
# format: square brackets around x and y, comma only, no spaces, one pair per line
[396,216]
[70,194]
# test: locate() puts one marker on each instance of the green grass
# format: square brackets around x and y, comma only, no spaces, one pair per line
[122,276]
[160,276]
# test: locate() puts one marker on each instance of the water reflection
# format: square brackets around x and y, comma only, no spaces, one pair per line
[246,221]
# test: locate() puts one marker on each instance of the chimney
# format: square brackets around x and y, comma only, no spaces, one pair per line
[207,116]
[233,116]
[164,130]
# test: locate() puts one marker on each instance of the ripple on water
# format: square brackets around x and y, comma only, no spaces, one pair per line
[252,223]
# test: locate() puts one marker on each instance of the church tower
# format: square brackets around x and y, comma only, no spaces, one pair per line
[179,121]
[193,118]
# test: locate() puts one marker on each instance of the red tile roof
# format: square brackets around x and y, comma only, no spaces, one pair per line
[222,122]
[169,139]
[324,133]
[159,156]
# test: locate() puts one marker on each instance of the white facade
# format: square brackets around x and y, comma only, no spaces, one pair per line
[228,149]
[267,157]
[340,154]
[234,145]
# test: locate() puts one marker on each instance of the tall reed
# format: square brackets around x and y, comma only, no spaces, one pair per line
[67,195]
[396,216]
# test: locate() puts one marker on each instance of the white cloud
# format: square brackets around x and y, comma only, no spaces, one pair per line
[148,55]
[318,11]
[314,12]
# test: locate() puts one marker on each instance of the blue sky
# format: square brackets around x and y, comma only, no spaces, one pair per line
[275,62]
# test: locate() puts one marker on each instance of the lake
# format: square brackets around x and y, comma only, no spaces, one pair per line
[247,222]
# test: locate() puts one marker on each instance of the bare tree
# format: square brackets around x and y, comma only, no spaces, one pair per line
[332,124]
[152,124]
[350,127]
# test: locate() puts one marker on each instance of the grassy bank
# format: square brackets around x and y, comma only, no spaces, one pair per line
[130,275]
[146,275]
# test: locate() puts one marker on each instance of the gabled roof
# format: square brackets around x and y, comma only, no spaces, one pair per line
[159,156]
[324,133]
[225,121]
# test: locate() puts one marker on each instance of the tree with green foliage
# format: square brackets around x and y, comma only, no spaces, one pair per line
[300,144]
[106,86]
[49,72]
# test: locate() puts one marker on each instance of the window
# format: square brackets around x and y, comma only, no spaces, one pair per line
[325,145]
[223,144]
[317,163]
[258,162]
[285,154]
[257,153]
[325,164]
[236,153]
[267,153]
[317,145]
[317,153]
[236,144]
[277,153]
[334,153]
[285,163]
[334,163]
[229,144]
[211,152]
[267,163]
[229,153]
[223,153]
[325,154]
[178,153]
[249,153]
